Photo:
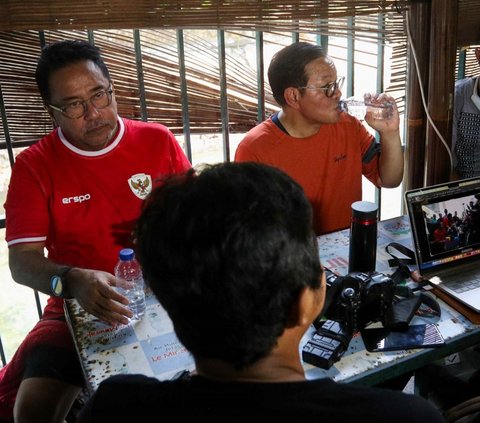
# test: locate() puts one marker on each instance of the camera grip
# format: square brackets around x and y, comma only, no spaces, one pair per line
[327,345]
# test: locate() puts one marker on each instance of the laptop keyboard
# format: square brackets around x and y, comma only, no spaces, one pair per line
[465,283]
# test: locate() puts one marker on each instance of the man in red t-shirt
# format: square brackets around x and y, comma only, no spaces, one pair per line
[76,194]
[325,150]
[440,233]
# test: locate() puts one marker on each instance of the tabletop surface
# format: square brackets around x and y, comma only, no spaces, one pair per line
[150,346]
[357,363]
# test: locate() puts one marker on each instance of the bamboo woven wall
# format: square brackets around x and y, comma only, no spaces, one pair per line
[264,15]
[20,20]
[28,121]
[468,32]
[162,80]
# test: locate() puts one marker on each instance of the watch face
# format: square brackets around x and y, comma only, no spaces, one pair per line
[56,286]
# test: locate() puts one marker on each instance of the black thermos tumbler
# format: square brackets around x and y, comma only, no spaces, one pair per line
[363,237]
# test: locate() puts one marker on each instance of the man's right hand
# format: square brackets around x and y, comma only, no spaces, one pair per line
[95,291]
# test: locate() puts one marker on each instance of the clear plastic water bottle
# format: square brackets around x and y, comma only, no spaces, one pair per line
[359,108]
[129,272]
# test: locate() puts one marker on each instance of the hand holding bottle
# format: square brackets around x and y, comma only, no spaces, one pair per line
[130,281]
[376,105]
[97,294]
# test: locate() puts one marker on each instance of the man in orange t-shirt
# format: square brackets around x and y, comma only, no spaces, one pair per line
[325,150]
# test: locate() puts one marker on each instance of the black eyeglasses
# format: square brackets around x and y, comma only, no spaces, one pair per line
[77,109]
[329,89]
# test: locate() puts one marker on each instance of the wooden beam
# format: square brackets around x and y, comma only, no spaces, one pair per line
[443,43]
[419,29]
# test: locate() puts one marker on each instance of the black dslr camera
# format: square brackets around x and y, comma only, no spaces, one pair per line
[351,302]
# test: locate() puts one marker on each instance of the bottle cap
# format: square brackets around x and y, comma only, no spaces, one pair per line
[126,254]
[364,211]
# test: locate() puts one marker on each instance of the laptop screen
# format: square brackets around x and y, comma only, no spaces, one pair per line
[445,223]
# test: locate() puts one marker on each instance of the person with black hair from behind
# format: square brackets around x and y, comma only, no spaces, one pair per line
[230,253]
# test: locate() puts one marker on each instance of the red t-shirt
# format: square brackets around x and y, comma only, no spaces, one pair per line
[83,204]
[328,165]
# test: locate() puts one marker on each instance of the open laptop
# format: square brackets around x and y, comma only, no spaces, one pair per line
[448,253]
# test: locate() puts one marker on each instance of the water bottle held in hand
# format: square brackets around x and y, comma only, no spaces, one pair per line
[130,281]
[379,109]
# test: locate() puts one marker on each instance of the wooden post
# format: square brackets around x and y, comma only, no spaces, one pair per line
[418,20]
[443,43]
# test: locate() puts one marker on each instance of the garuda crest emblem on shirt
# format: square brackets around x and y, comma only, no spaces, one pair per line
[140,184]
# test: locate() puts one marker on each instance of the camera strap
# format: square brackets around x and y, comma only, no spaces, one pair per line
[403,270]
[407,302]
[398,261]
[406,266]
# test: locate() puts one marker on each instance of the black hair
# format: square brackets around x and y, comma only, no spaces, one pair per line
[287,68]
[227,252]
[57,55]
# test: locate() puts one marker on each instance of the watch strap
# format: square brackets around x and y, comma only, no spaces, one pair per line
[58,282]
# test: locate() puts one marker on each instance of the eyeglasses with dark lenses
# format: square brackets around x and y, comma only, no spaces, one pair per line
[77,109]
[328,89]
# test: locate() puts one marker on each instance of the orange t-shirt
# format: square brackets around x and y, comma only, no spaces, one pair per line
[328,165]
